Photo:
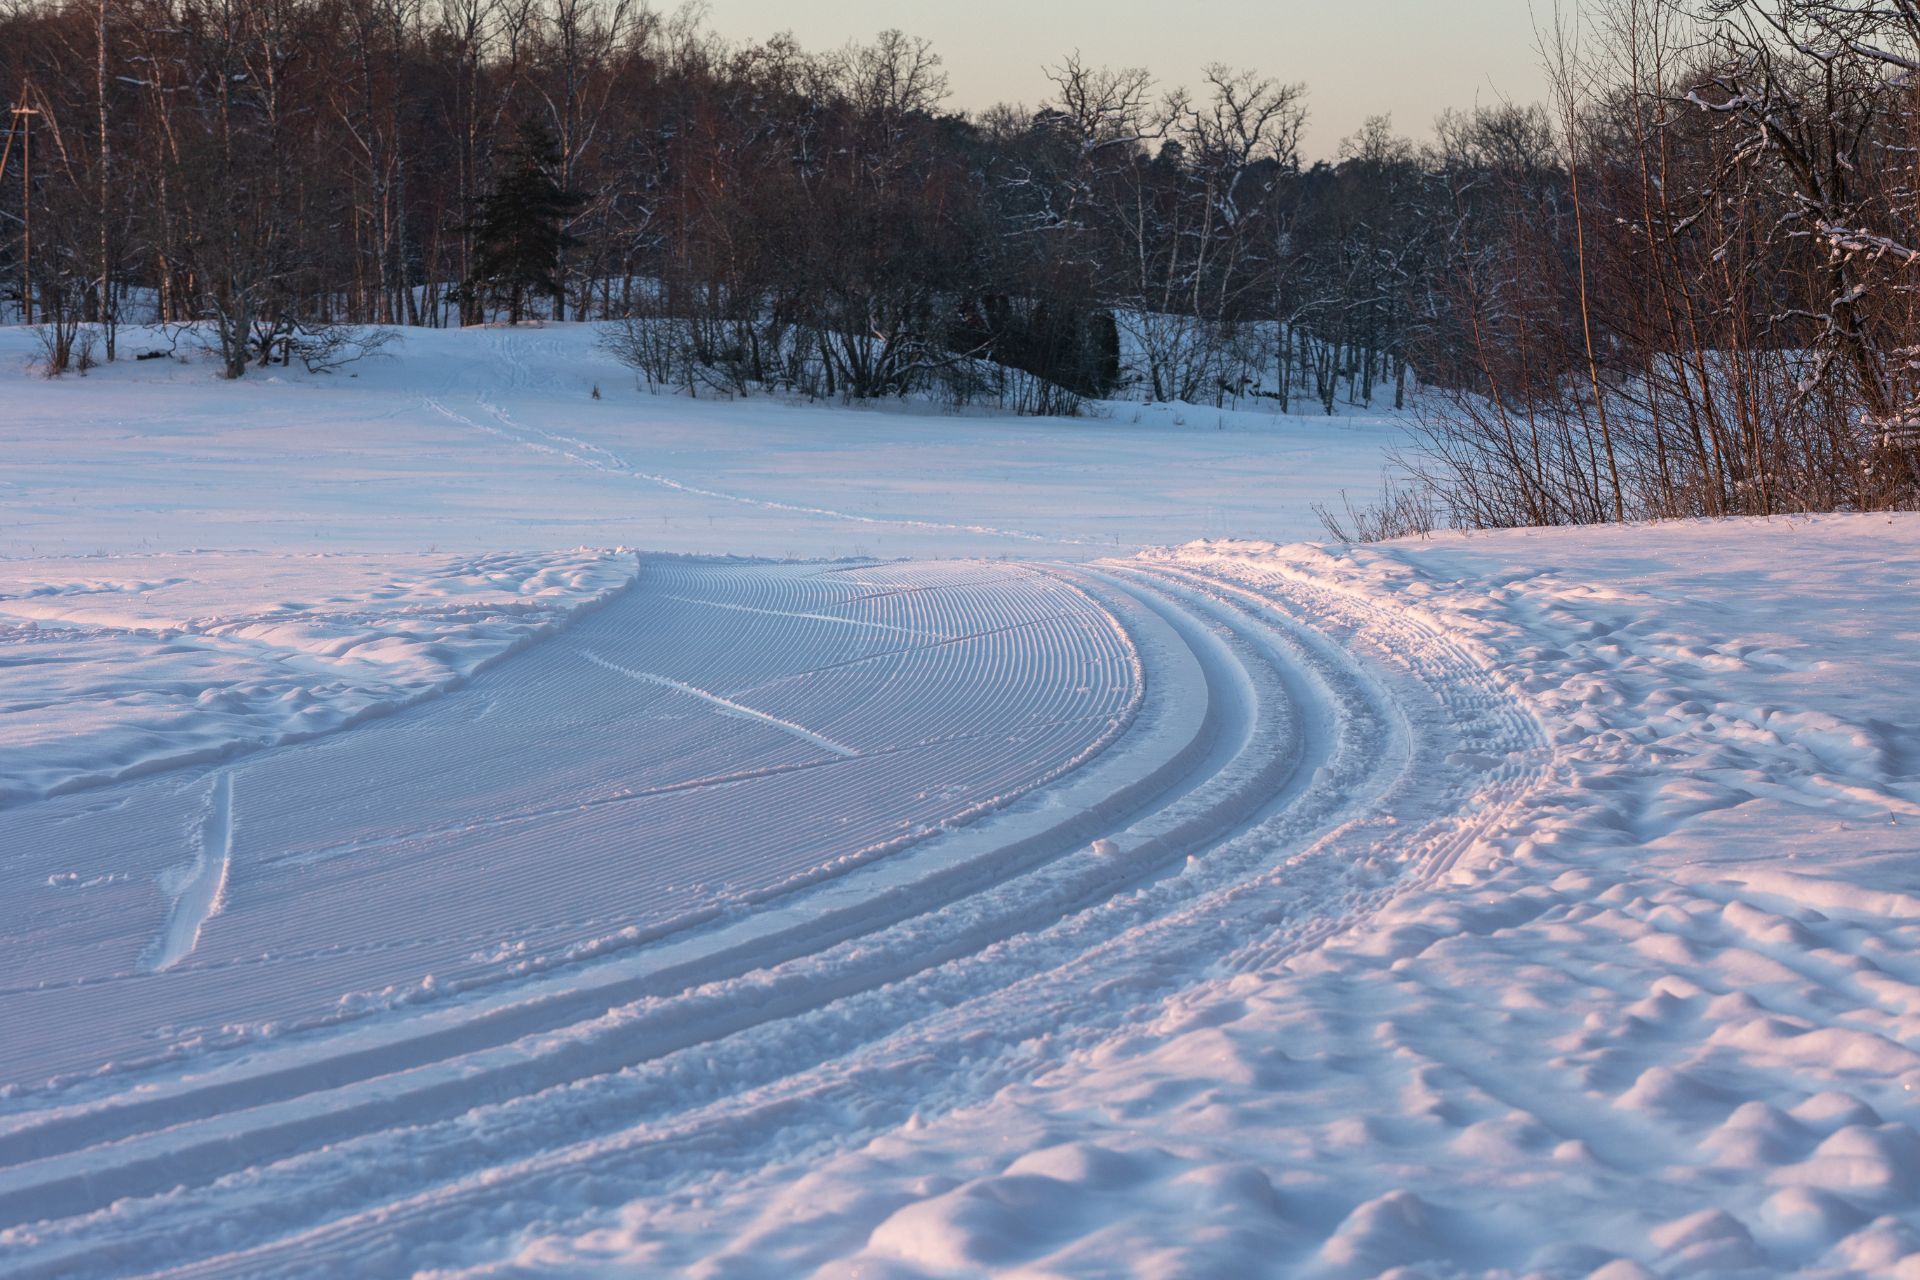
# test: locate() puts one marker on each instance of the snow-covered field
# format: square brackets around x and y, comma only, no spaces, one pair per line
[985,878]
[478,440]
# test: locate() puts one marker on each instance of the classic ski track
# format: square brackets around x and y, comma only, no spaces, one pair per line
[1060,917]
[1466,686]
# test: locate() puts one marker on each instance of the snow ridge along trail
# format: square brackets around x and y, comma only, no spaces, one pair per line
[1180,744]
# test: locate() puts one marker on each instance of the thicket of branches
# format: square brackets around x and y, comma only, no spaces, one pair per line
[1701,301]
[1683,287]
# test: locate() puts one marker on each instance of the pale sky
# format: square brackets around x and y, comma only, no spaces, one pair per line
[1409,58]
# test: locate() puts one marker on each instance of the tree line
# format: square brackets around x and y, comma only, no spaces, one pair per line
[1702,301]
[1683,286]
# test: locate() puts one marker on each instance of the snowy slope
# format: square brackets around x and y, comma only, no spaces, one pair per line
[1539,903]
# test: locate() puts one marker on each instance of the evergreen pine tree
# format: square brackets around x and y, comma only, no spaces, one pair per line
[519,233]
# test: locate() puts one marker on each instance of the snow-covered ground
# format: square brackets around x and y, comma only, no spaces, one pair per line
[1539,903]
[127,664]
[490,440]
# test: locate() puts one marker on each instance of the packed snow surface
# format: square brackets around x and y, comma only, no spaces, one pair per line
[1540,903]
[715,736]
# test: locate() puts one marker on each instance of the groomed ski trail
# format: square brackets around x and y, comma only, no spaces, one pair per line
[1293,765]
